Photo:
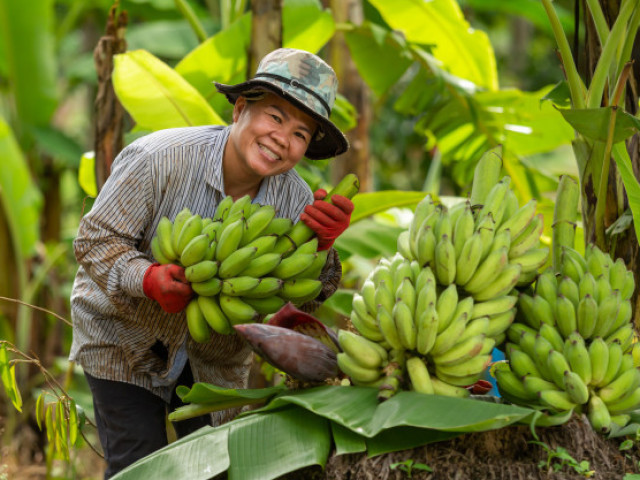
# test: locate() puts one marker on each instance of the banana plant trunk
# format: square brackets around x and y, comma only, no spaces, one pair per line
[623,243]
[266,31]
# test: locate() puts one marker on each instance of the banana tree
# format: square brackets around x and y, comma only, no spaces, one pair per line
[604,116]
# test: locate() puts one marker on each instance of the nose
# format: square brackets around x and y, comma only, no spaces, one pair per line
[281,137]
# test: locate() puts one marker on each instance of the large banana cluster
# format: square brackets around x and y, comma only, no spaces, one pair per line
[234,265]
[572,346]
[486,249]
[405,319]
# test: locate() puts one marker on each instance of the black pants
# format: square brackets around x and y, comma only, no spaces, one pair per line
[132,421]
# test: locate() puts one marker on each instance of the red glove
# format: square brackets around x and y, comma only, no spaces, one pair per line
[167,285]
[327,220]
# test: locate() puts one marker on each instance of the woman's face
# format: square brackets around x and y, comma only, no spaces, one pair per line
[269,136]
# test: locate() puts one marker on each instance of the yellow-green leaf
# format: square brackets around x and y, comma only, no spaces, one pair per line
[87,174]
[156,96]
[73,422]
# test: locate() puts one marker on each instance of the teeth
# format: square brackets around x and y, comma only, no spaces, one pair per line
[269,152]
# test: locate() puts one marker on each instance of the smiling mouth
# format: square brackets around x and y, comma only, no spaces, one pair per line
[270,153]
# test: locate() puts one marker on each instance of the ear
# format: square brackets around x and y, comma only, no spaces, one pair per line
[241,103]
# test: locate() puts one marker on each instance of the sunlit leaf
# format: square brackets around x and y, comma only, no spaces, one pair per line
[368,239]
[367,204]
[593,123]
[465,52]
[346,440]
[19,195]
[208,393]
[73,422]
[305,25]
[39,410]
[156,96]
[8,377]
[87,174]
[48,417]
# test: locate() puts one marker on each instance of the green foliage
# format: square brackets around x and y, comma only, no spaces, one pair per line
[408,466]
[559,458]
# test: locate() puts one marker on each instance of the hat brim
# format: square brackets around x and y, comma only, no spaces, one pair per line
[332,144]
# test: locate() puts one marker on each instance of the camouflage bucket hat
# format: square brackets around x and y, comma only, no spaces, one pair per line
[306,81]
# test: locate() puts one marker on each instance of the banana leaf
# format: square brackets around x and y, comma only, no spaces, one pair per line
[367,204]
[593,123]
[404,438]
[368,239]
[347,441]
[199,456]
[156,96]
[631,185]
[306,25]
[268,446]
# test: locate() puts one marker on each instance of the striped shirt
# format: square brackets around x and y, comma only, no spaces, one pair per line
[118,333]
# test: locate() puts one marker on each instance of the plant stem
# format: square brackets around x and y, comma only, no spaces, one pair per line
[625,55]
[598,19]
[564,226]
[608,55]
[576,87]
[191,17]
[601,200]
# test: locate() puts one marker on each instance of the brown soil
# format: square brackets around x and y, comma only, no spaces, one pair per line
[504,454]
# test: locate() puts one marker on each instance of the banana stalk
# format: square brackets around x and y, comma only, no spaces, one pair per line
[564,226]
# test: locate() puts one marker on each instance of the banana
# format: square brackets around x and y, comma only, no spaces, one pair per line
[527,344]
[487,272]
[230,238]
[463,229]
[237,311]
[626,382]
[515,331]
[533,385]
[425,277]
[371,333]
[263,244]
[607,312]
[571,268]
[556,399]
[157,252]
[387,326]
[575,388]
[419,376]
[627,403]
[621,420]
[511,205]
[628,287]
[163,234]
[403,245]
[208,288]
[486,227]
[446,305]
[359,374]
[578,357]
[445,261]
[293,265]
[212,230]
[425,244]
[260,266]
[384,297]
[427,324]
[449,336]
[195,251]
[191,229]
[528,239]
[517,223]
[178,223]
[239,286]
[565,316]
[598,262]
[443,226]
[424,208]
[624,316]
[624,335]
[201,271]
[257,222]
[447,390]
[502,285]
[553,336]
[542,347]
[465,381]
[587,285]
[266,287]
[569,252]
[547,286]
[278,226]
[405,326]
[222,210]
[214,316]
[521,363]
[406,294]
[477,326]
[494,307]
[598,415]
[570,289]
[613,367]
[603,288]
[368,294]
[196,323]
[265,305]
[360,307]
[460,352]
[599,356]
[587,316]
[617,274]
[366,353]
[557,365]
[472,366]
[532,259]
[510,386]
[501,240]
[542,310]
[495,202]
[300,290]
[469,258]
[382,274]
[236,262]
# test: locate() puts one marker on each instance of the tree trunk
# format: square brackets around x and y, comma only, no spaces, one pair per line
[109,112]
[352,87]
[266,31]
[624,245]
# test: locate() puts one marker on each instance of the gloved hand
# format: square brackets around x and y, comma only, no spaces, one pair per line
[327,220]
[167,285]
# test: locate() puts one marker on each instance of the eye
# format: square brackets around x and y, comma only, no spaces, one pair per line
[276,117]
[301,135]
